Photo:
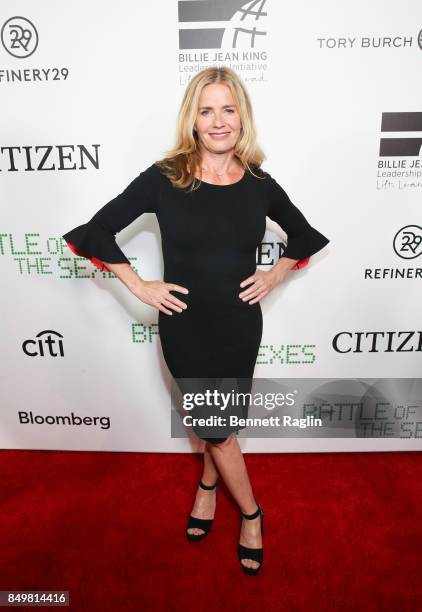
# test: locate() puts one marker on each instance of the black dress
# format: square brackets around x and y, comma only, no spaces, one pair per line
[209,242]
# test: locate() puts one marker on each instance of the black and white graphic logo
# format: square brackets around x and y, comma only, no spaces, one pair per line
[402,145]
[19,37]
[232,24]
[47,343]
[408,242]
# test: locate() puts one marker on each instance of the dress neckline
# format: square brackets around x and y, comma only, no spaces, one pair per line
[228,184]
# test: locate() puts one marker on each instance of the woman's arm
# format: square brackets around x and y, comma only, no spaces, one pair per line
[303,240]
[281,267]
[155,293]
[265,281]
[127,275]
[96,240]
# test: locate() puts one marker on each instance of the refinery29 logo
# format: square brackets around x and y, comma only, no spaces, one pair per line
[19,37]
[207,24]
[407,242]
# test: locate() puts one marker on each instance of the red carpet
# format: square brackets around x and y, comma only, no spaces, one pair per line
[343,531]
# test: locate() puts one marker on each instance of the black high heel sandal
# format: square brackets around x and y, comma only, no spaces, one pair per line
[204,524]
[256,554]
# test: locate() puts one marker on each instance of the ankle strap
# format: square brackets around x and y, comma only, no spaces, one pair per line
[252,516]
[207,487]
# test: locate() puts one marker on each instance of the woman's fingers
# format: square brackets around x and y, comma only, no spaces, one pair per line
[259,297]
[163,309]
[167,302]
[172,298]
[163,300]
[247,281]
[173,287]
[264,282]
[252,291]
[157,294]
[253,295]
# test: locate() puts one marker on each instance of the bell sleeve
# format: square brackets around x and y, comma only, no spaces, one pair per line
[303,240]
[96,239]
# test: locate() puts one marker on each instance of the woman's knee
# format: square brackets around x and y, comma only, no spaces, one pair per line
[220,442]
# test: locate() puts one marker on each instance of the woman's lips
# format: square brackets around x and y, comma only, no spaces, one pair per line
[219,136]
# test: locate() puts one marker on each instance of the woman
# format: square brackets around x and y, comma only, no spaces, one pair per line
[211,199]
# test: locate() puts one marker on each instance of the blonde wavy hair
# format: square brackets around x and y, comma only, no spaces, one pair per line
[182,161]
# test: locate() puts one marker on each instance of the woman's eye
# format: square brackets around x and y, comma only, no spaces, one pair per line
[229,110]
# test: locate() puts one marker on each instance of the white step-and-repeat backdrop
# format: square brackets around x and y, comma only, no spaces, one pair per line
[89,97]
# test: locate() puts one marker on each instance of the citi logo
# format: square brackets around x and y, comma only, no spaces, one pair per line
[47,343]
[19,37]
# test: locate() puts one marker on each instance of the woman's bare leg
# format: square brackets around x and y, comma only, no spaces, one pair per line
[210,473]
[205,501]
[230,462]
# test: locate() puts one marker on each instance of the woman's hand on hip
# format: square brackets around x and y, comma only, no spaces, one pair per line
[262,283]
[157,294]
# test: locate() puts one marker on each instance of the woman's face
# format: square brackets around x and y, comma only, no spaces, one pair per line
[217,122]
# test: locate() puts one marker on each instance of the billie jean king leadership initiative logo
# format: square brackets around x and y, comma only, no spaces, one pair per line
[400,150]
[206,24]
[297,407]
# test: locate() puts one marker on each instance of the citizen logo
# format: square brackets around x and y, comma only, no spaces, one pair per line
[378,342]
[48,158]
